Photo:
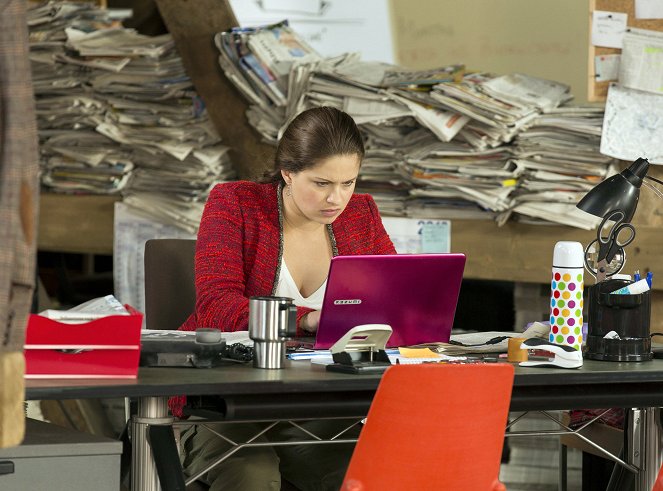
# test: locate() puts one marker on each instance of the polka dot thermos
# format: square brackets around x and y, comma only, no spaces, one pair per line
[566,294]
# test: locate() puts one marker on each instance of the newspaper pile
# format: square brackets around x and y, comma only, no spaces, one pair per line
[118,115]
[440,143]
[560,161]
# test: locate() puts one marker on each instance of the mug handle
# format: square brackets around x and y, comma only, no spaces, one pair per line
[291,328]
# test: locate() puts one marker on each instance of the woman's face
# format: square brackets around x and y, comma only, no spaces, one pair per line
[321,193]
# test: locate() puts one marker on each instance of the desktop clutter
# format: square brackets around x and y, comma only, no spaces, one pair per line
[618,306]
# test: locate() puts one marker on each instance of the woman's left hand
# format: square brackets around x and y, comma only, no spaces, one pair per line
[310,322]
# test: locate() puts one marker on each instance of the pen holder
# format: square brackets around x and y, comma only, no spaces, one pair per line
[627,315]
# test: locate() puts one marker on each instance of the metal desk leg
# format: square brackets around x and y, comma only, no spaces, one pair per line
[563,464]
[643,444]
[151,410]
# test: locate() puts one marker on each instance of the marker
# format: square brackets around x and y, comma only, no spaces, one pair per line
[649,278]
[633,288]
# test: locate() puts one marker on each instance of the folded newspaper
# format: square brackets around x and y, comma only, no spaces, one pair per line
[88,311]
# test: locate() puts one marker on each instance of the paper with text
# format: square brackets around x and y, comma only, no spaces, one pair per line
[641,64]
[608,28]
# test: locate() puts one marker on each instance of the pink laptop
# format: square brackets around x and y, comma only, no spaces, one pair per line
[416,294]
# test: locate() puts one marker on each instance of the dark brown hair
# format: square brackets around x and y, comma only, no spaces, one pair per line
[314,135]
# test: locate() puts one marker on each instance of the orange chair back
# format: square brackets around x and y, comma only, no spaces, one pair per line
[434,427]
[658,485]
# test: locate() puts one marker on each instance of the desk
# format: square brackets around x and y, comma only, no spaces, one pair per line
[301,389]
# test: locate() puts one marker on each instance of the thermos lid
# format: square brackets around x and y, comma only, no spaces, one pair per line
[568,254]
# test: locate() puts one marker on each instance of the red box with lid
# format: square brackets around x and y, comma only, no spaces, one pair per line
[108,347]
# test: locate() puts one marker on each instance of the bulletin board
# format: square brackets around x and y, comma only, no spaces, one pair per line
[598,91]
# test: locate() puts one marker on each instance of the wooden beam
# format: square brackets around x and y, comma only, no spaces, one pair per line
[76,223]
[521,252]
[193,26]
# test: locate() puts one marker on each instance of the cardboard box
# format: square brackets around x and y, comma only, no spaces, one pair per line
[608,437]
[103,348]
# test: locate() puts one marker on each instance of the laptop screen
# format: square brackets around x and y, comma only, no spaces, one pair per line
[416,294]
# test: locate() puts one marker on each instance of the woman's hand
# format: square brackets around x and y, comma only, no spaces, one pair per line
[310,322]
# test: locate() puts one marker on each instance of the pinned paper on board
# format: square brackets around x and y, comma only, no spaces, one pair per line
[633,125]
[606,67]
[608,28]
[641,65]
[648,9]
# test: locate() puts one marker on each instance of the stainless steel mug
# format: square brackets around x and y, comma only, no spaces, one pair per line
[272,320]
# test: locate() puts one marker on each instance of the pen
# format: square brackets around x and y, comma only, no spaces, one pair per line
[636,275]
[649,277]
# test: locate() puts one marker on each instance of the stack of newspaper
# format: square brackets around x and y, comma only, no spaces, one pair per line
[439,142]
[456,180]
[559,155]
[118,114]
[498,107]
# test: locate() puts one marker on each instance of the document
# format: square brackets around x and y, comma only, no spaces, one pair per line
[416,236]
[132,228]
[633,125]
[608,28]
[648,9]
[444,124]
[641,65]
[606,67]
[88,311]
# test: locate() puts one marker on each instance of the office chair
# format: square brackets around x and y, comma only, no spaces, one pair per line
[658,484]
[170,297]
[170,292]
[434,426]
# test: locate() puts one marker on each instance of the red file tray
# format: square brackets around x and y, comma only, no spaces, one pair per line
[103,348]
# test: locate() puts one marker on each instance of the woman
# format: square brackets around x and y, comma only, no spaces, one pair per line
[278,238]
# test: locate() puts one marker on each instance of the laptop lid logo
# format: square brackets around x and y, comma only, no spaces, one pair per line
[354,301]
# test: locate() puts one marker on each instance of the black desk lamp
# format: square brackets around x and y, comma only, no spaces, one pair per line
[627,315]
[620,191]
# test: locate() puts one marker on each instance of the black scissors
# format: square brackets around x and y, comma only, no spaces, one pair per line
[619,235]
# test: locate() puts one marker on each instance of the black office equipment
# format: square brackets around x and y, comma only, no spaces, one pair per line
[362,350]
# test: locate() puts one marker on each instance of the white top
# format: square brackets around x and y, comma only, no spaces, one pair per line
[286,287]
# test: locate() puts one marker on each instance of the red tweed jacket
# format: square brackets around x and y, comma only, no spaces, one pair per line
[238,252]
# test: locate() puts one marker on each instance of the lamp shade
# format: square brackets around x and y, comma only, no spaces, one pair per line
[618,192]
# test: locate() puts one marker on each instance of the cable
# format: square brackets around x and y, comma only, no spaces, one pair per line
[239,352]
[654,188]
[494,340]
[654,179]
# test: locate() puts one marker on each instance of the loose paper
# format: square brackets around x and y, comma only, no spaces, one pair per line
[413,236]
[648,9]
[633,125]
[131,230]
[608,28]
[641,65]
[435,236]
[606,67]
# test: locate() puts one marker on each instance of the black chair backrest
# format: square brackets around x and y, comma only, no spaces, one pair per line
[170,292]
